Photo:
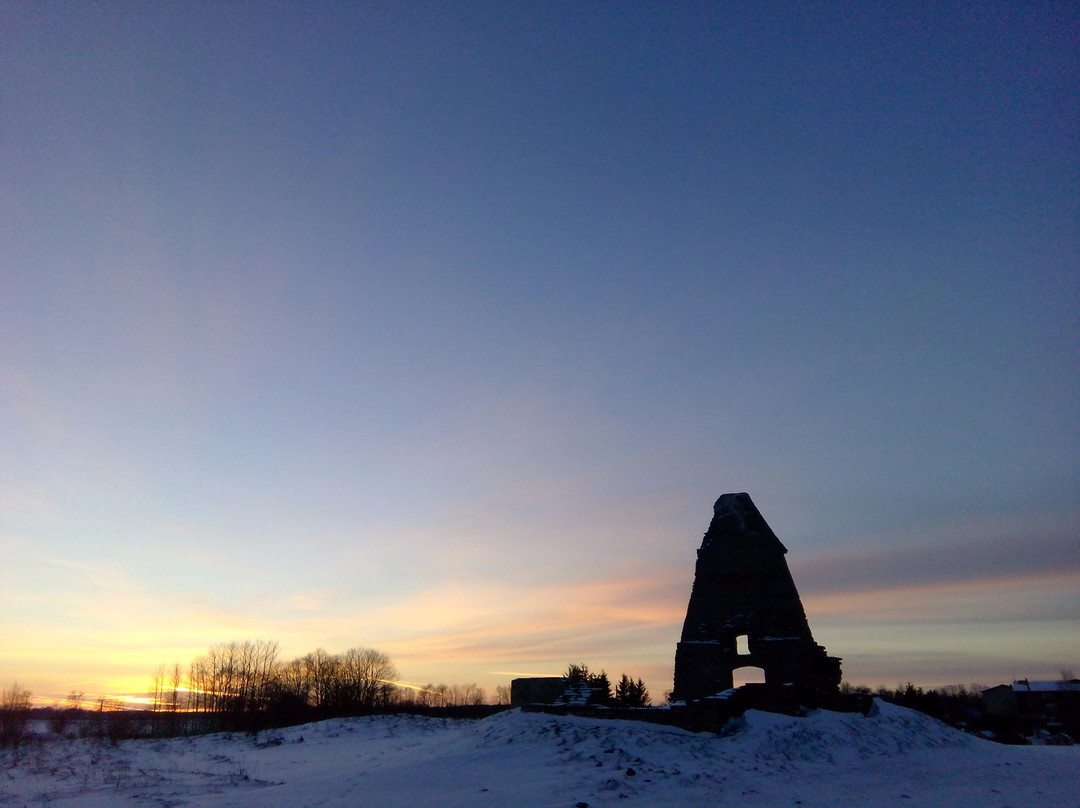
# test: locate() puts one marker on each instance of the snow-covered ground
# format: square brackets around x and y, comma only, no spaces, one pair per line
[895,757]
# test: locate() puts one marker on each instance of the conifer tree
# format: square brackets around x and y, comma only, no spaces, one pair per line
[629,693]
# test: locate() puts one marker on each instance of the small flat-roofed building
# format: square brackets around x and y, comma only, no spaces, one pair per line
[537,690]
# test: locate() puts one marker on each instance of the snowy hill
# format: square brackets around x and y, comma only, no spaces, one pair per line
[895,757]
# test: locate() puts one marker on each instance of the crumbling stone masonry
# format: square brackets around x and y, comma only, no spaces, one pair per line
[744,590]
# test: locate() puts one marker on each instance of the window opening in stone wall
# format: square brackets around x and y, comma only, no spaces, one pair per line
[749,676]
[742,645]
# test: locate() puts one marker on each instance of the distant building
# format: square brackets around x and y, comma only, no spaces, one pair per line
[553,690]
[1052,705]
[999,700]
[537,690]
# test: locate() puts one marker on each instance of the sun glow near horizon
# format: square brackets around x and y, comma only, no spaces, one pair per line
[865,627]
[314,329]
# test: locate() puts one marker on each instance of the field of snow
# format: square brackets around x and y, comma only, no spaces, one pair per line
[896,757]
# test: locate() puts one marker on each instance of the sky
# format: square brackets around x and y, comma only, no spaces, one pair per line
[438,329]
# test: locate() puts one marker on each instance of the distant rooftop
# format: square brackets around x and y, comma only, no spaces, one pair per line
[1032,686]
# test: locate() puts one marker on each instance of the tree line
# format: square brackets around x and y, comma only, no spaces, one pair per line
[628,692]
[246,684]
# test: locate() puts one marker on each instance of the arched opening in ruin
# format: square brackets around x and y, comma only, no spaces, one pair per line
[748,675]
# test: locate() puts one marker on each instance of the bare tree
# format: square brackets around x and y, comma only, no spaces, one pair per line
[294,682]
[197,700]
[443,695]
[322,669]
[236,679]
[14,715]
[366,679]
[260,672]
[465,695]
[176,678]
[428,696]
[156,688]
[63,717]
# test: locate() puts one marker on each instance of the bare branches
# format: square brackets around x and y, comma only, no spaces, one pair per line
[14,715]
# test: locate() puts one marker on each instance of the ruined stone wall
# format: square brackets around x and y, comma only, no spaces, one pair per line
[742,587]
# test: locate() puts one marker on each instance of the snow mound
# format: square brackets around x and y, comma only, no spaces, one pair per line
[893,757]
[758,740]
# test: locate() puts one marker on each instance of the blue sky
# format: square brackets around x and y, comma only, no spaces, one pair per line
[438,328]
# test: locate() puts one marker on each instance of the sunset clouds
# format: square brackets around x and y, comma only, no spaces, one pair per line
[440,334]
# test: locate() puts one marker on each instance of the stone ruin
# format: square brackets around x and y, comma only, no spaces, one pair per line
[744,611]
[743,590]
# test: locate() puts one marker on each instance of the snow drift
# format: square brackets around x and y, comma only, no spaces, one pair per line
[893,757]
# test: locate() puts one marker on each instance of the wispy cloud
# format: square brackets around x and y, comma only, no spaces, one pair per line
[1030,597]
[977,549]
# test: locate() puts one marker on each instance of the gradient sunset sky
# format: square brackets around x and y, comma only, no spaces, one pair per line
[438,328]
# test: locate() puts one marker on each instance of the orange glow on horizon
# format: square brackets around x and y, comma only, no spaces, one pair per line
[453,633]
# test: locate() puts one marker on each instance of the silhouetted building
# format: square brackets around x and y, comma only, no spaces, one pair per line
[743,594]
[1049,705]
[553,690]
